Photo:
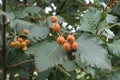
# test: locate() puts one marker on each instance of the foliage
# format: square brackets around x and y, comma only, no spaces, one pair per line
[95,27]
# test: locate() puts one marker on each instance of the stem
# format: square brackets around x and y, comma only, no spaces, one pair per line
[58,34]
[63,70]
[4,21]
[20,63]
[106,6]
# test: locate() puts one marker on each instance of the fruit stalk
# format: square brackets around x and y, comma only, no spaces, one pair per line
[4,24]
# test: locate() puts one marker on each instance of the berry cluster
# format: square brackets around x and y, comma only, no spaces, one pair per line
[20,42]
[69,43]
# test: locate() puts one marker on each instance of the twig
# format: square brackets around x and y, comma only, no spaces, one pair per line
[20,63]
[106,6]
[4,61]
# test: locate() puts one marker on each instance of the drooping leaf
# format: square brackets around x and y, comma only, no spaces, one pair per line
[37,33]
[114,48]
[47,54]
[89,21]
[111,18]
[108,33]
[91,53]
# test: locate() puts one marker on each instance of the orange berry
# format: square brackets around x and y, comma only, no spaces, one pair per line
[74,46]
[27,41]
[24,48]
[20,39]
[12,44]
[25,31]
[23,44]
[70,38]
[61,40]
[66,46]
[56,27]
[53,19]
[17,43]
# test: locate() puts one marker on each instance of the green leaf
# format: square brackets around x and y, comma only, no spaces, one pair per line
[22,24]
[114,48]
[32,9]
[11,16]
[91,53]
[24,74]
[2,13]
[115,76]
[21,14]
[15,56]
[47,54]
[90,21]
[111,18]
[43,75]
[101,27]
[69,65]
[37,33]
[116,10]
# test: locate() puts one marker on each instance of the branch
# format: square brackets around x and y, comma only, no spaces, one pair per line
[20,63]
[3,54]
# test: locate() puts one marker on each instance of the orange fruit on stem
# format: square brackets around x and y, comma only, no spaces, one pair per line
[61,40]
[24,48]
[20,39]
[66,46]
[17,43]
[53,19]
[26,32]
[23,44]
[74,46]
[12,44]
[27,41]
[56,27]
[70,38]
